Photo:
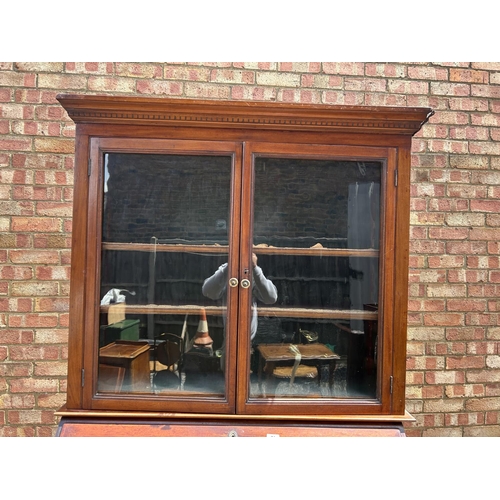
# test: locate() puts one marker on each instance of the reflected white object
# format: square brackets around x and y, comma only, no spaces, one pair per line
[115,296]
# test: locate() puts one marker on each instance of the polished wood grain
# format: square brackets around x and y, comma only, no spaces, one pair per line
[169,428]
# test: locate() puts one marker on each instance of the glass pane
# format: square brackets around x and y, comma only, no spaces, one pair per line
[165,230]
[316,237]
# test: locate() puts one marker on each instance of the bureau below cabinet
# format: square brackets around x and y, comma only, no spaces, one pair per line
[238,268]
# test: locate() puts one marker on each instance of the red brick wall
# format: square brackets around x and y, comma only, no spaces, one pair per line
[454,329]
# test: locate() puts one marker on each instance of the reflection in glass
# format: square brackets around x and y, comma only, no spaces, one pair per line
[316,232]
[263,291]
[165,228]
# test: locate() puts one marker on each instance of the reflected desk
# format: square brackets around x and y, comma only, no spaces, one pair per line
[124,366]
[311,354]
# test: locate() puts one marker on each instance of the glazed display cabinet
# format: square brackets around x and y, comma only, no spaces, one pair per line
[238,268]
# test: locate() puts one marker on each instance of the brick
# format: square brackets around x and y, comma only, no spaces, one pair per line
[253,93]
[464,419]
[89,67]
[490,91]
[36,224]
[40,67]
[111,84]
[139,70]
[322,81]
[277,79]
[465,219]
[51,401]
[11,144]
[387,100]
[22,401]
[470,133]
[444,405]
[186,73]
[300,67]
[468,104]
[482,262]
[34,256]
[426,334]
[446,261]
[14,336]
[485,206]
[232,76]
[43,273]
[443,319]
[444,377]
[385,70]
[482,404]
[492,66]
[493,361]
[54,145]
[483,431]
[14,208]
[449,146]
[16,272]
[33,320]
[208,90]
[365,84]
[51,241]
[449,233]
[15,79]
[29,385]
[428,275]
[450,89]
[33,289]
[426,305]
[50,369]
[407,87]
[51,336]
[54,209]
[427,73]
[465,362]
[486,120]
[70,82]
[344,68]
[303,96]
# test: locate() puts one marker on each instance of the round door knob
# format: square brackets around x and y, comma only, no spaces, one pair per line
[233,282]
[245,283]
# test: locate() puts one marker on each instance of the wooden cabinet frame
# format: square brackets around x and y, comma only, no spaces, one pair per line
[243,130]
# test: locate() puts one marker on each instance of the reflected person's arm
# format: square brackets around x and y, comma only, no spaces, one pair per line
[264,289]
[214,287]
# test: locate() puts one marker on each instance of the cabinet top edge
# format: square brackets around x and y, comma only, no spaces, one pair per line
[159,111]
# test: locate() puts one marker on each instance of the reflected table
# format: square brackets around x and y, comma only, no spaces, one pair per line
[124,367]
[318,355]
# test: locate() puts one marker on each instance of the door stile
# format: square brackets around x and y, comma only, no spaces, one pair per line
[232,326]
[245,299]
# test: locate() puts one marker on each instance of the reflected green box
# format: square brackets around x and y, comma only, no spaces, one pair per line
[128,329]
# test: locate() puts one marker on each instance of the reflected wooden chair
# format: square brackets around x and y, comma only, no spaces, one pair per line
[169,354]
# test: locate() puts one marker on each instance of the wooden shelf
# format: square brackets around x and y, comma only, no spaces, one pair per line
[278,312]
[223,249]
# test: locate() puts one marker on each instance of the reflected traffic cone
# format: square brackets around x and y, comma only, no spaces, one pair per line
[202,337]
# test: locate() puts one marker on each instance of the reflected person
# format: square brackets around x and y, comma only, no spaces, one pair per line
[263,289]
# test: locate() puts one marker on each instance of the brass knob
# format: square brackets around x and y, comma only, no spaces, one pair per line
[245,283]
[233,282]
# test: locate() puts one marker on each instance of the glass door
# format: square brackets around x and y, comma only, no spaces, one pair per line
[316,295]
[167,256]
